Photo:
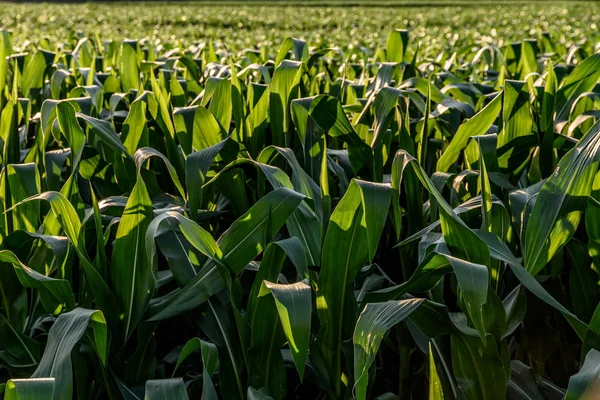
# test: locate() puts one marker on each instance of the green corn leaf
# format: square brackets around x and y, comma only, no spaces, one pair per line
[33,74]
[30,389]
[478,125]
[21,351]
[9,131]
[65,333]
[69,126]
[129,66]
[135,134]
[24,182]
[220,104]
[130,272]
[372,325]
[266,364]
[210,360]
[5,51]
[68,220]
[164,389]
[261,394]
[294,307]
[328,114]
[240,244]
[56,294]
[499,251]
[272,263]
[583,78]
[478,368]
[561,201]
[107,134]
[472,279]
[586,382]
[221,327]
[197,127]
[351,241]
[197,165]
[397,41]
[298,47]
[143,154]
[435,385]
[591,339]
[282,90]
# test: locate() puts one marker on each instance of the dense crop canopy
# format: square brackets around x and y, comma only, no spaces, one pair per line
[299,222]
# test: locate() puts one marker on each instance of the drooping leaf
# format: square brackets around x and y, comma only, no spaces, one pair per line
[587,381]
[372,325]
[294,307]
[65,333]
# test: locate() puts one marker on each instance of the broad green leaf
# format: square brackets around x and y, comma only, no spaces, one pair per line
[9,132]
[586,382]
[18,349]
[56,294]
[219,324]
[298,47]
[547,120]
[478,125]
[583,280]
[283,89]
[129,65]
[372,325]
[261,394]
[294,307]
[561,201]
[201,128]
[210,360]
[240,244]
[397,41]
[272,263]
[68,220]
[266,366]
[245,238]
[134,134]
[5,51]
[328,114]
[106,133]
[65,333]
[592,335]
[478,368]
[583,78]
[435,385]
[33,74]
[24,181]
[141,364]
[69,126]
[220,104]
[592,213]
[500,251]
[350,242]
[143,154]
[461,241]
[197,165]
[516,115]
[131,276]
[522,382]
[472,280]
[165,389]
[30,389]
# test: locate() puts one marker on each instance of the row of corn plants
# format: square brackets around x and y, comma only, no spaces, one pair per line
[299,222]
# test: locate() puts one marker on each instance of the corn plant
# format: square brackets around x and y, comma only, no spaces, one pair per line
[301,222]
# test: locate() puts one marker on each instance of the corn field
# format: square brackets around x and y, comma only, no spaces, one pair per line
[300,221]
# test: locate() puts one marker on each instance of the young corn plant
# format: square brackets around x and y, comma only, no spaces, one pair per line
[301,222]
